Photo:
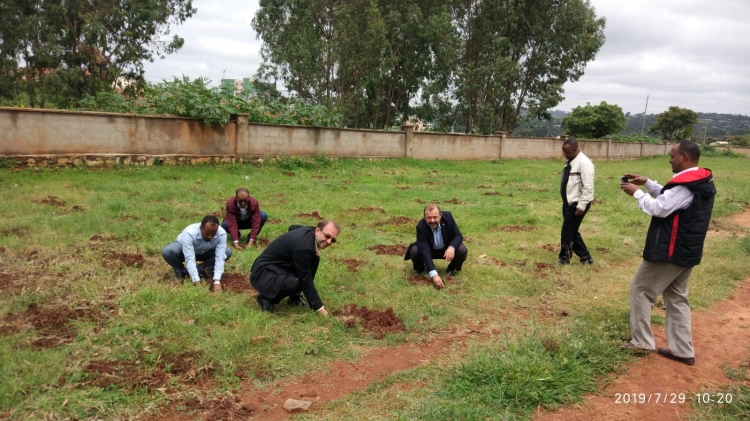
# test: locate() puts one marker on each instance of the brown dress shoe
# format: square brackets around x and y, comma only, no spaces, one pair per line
[665,352]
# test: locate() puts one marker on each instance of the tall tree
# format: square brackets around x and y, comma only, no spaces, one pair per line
[594,121]
[368,58]
[64,49]
[675,124]
[516,55]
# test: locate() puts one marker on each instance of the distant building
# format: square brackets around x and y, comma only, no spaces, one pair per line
[239,87]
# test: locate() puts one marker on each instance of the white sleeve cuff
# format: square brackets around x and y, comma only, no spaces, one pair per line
[432,273]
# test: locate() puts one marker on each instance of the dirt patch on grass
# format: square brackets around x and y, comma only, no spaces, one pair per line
[376,321]
[368,209]
[102,237]
[541,267]
[403,187]
[401,220]
[127,375]
[261,242]
[317,177]
[394,250]
[492,193]
[54,323]
[550,247]
[237,282]
[13,232]
[289,174]
[513,228]
[219,409]
[51,200]
[314,214]
[432,183]
[124,259]
[6,281]
[420,280]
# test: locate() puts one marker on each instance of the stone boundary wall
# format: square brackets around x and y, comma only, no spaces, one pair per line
[60,137]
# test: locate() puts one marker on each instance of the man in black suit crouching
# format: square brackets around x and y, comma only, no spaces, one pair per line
[438,237]
[287,267]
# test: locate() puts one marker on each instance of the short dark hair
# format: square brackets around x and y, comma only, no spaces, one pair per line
[241,189]
[324,223]
[572,142]
[209,219]
[431,206]
[690,149]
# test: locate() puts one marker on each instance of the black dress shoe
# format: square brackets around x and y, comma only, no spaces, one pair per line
[563,261]
[265,304]
[588,260]
[296,301]
[665,352]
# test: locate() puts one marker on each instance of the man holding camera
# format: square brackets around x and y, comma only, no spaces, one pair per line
[577,191]
[680,214]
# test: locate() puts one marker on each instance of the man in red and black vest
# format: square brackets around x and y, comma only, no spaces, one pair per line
[680,213]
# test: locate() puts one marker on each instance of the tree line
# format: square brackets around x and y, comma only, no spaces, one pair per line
[475,66]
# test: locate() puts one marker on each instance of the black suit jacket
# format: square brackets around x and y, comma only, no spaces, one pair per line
[425,240]
[293,253]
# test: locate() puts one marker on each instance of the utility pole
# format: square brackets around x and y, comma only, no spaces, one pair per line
[644,116]
[704,132]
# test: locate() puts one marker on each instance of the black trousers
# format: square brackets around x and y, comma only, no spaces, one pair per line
[288,286]
[570,239]
[458,258]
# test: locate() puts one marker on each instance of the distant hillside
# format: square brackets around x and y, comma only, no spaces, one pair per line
[714,126]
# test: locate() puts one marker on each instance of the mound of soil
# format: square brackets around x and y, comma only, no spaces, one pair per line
[261,242]
[394,250]
[367,209]
[124,259]
[289,174]
[105,237]
[401,220]
[51,200]
[352,265]
[542,266]
[550,247]
[314,214]
[126,375]
[221,409]
[602,250]
[420,280]
[236,282]
[492,193]
[376,321]
[514,228]
[54,323]
[13,232]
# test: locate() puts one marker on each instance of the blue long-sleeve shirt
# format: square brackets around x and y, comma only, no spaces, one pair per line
[193,243]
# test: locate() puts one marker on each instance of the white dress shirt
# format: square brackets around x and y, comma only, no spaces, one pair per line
[663,205]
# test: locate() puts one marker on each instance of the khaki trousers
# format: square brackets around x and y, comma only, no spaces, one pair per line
[671,281]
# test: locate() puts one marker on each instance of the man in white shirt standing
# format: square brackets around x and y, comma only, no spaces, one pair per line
[206,242]
[577,192]
[680,215]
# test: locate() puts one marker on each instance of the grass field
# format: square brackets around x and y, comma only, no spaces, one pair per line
[94,326]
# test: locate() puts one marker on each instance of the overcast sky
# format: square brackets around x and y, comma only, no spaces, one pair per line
[690,53]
